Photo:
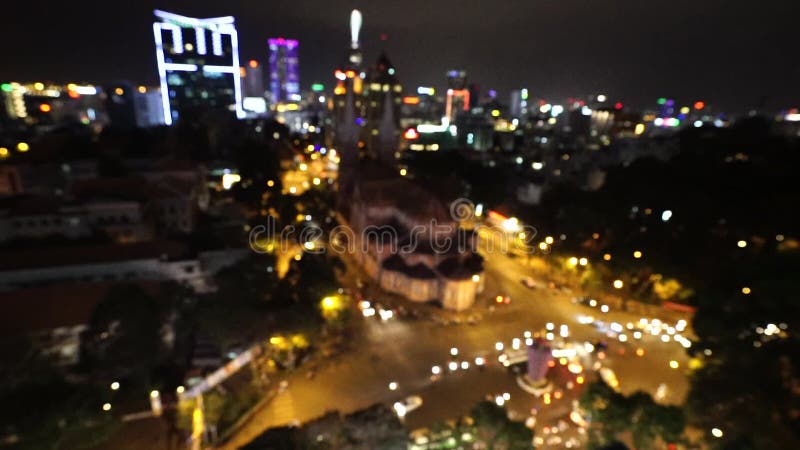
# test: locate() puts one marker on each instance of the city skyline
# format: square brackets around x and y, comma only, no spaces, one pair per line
[503,225]
[730,57]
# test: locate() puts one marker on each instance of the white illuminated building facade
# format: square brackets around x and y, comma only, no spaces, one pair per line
[198,65]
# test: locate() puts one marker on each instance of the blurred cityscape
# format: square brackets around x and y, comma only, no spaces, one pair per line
[236,257]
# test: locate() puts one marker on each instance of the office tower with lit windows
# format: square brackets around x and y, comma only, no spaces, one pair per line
[253,85]
[254,96]
[198,66]
[458,96]
[383,97]
[519,104]
[284,75]
[46,105]
[347,103]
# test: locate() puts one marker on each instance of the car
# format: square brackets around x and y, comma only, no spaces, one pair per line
[385,314]
[610,378]
[585,320]
[530,283]
[502,299]
[406,406]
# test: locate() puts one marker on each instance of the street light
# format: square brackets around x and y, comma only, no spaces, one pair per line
[573,261]
[618,284]
[115,385]
[331,305]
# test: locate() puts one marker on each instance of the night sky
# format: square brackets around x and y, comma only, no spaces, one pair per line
[734,54]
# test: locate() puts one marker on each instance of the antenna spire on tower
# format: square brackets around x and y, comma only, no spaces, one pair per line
[355,27]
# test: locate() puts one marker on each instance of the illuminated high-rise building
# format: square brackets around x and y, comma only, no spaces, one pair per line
[383,97]
[519,104]
[198,65]
[347,101]
[458,96]
[254,99]
[284,75]
[130,107]
[253,84]
[46,105]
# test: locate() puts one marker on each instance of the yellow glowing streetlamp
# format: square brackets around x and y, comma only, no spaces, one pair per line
[618,284]
[329,303]
[331,306]
[573,261]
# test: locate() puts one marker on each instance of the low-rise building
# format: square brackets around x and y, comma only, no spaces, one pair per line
[146,261]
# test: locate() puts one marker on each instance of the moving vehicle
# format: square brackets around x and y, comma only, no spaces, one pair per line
[530,283]
[406,406]
[610,378]
[502,299]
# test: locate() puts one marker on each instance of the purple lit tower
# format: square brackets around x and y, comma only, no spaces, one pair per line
[539,355]
[284,75]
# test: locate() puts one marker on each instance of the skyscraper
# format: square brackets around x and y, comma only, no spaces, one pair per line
[253,85]
[518,108]
[128,107]
[458,96]
[347,104]
[383,96]
[284,75]
[198,65]
[254,101]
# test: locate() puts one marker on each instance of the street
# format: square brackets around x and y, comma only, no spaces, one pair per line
[404,351]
